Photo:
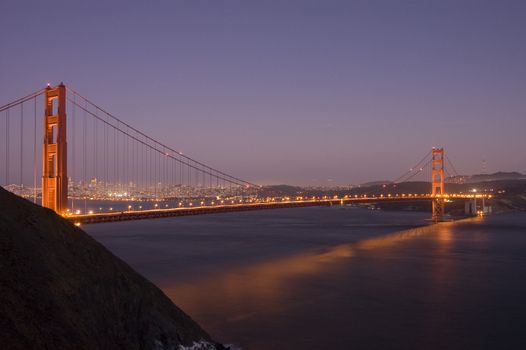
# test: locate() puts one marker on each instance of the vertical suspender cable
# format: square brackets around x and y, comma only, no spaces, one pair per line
[114,161]
[117,160]
[84,157]
[152,171]
[165,179]
[7,147]
[35,151]
[74,158]
[149,171]
[22,144]
[126,163]
[122,170]
[142,168]
[156,161]
[106,158]
[96,149]
[139,166]
[132,162]
[159,173]
[165,173]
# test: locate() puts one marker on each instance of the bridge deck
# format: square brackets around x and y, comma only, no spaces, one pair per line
[223,208]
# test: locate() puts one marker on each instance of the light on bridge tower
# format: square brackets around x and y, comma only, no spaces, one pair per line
[54,151]
[437,181]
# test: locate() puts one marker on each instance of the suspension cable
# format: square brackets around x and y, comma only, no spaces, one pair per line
[420,170]
[452,166]
[154,148]
[242,182]
[21,100]
[407,173]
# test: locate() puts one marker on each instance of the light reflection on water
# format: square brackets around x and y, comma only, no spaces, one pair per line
[269,280]
[449,286]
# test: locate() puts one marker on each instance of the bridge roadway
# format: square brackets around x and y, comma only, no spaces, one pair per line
[258,205]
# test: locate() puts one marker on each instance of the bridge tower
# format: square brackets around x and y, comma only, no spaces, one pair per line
[437,181]
[54,151]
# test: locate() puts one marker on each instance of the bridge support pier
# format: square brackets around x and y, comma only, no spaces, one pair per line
[54,151]
[473,208]
[470,207]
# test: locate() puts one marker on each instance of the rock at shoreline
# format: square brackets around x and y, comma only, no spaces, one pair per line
[60,289]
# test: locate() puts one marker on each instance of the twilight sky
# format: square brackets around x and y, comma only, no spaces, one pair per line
[289,91]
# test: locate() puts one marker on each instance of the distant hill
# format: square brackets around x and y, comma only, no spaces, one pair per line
[376,183]
[487,177]
[60,289]
[280,190]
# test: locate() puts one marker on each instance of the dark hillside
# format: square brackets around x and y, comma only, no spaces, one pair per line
[60,289]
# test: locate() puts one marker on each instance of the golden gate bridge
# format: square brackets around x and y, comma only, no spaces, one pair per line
[80,152]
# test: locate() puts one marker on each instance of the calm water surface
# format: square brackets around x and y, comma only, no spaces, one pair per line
[337,278]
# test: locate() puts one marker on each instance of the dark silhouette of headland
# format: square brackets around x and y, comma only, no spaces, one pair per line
[60,289]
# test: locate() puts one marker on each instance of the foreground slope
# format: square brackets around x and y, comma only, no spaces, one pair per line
[60,289]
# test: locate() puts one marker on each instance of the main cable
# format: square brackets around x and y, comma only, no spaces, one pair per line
[115,128]
[243,182]
[21,100]
[407,173]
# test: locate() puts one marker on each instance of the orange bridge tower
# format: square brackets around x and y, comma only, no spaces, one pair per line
[437,181]
[54,151]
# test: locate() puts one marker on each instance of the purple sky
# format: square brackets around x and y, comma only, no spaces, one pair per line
[289,91]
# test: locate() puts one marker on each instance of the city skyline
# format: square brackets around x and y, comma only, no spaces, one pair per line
[350,92]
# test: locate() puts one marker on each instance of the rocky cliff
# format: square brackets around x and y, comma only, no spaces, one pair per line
[60,289]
